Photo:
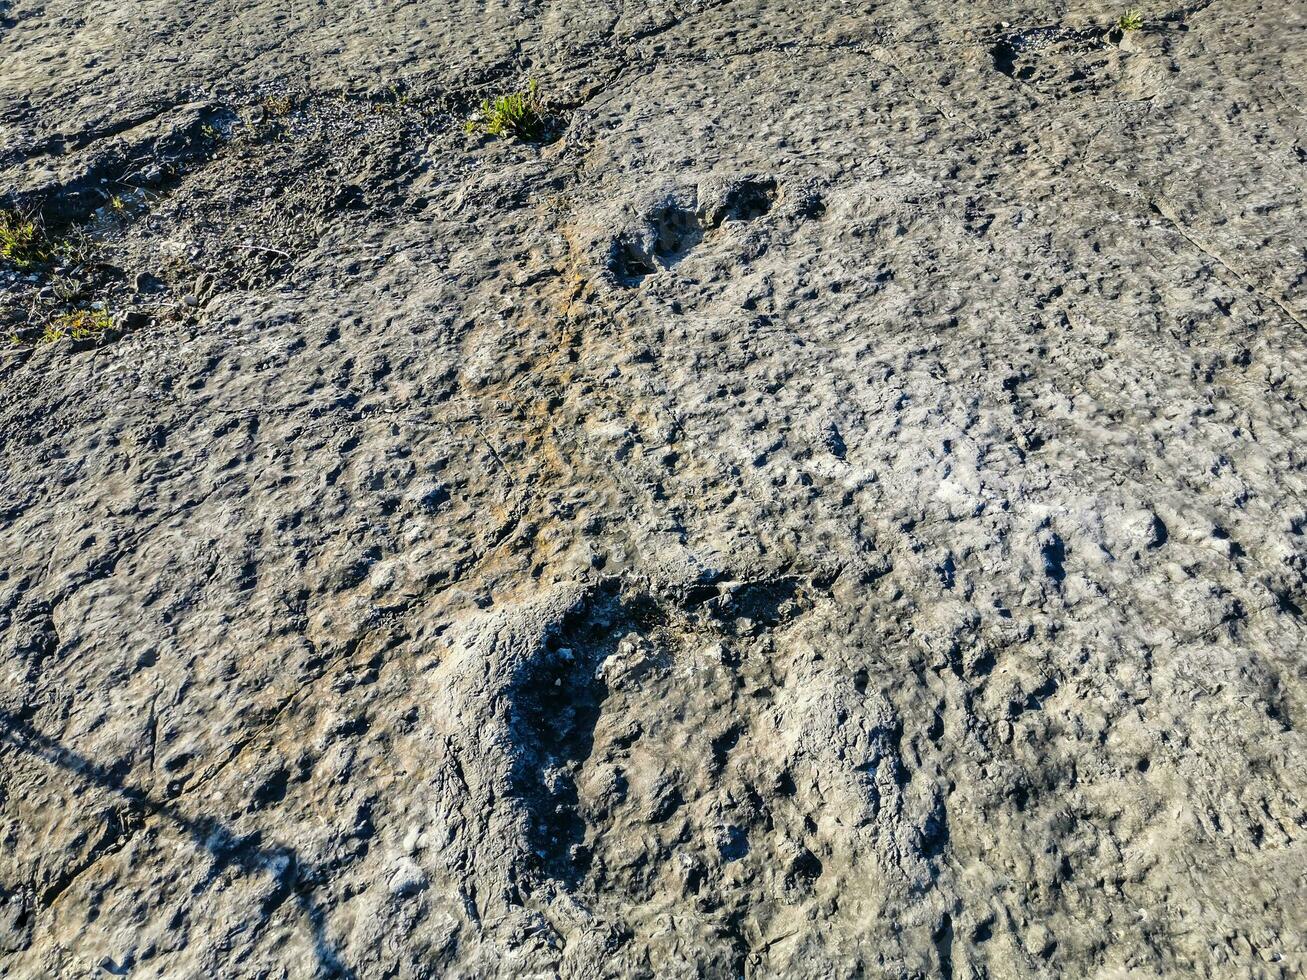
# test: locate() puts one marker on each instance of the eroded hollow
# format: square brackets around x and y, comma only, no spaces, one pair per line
[558,699]
[749,200]
[675,231]
[630,262]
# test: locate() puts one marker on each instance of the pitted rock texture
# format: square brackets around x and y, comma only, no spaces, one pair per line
[835,508]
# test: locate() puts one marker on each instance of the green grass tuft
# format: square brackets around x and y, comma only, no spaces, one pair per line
[22,241]
[78,325]
[1131,20]
[518,114]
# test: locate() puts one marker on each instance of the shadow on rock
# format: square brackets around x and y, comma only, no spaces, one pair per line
[228,849]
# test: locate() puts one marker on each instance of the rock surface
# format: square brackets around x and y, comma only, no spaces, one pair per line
[834,509]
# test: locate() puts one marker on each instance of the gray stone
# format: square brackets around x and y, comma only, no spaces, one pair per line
[896,415]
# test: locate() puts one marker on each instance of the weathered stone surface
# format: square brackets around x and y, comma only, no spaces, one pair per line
[835,510]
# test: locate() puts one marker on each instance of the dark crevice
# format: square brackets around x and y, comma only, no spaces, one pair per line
[557,700]
[943,939]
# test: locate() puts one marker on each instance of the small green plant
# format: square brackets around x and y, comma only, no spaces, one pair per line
[77,325]
[22,240]
[396,100]
[66,288]
[277,106]
[117,205]
[210,132]
[519,114]
[75,247]
[1131,20]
